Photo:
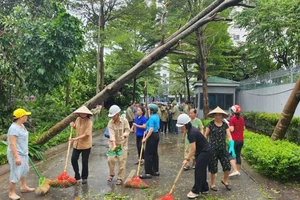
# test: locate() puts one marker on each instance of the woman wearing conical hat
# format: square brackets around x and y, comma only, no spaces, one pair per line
[82,142]
[217,131]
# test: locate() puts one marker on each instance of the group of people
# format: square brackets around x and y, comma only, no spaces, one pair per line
[204,148]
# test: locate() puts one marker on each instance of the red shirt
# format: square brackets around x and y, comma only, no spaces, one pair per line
[238,124]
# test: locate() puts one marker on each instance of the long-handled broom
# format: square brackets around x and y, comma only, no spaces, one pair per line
[43,182]
[64,180]
[137,182]
[169,195]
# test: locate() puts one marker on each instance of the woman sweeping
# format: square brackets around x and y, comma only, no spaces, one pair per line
[152,138]
[199,147]
[237,127]
[82,142]
[17,153]
[139,127]
[217,130]
[119,138]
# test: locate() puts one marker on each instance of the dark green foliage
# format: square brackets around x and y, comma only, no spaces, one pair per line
[266,122]
[279,160]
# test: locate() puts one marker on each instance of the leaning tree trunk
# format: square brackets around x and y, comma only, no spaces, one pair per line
[287,113]
[156,54]
[202,65]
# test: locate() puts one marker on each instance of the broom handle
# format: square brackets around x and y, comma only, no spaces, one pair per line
[139,165]
[68,152]
[177,177]
[35,169]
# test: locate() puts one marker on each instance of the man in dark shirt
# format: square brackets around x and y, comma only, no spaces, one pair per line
[199,147]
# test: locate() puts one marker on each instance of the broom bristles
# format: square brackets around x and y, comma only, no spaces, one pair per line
[43,189]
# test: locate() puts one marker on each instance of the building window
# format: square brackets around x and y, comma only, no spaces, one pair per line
[224,101]
[236,37]
[164,75]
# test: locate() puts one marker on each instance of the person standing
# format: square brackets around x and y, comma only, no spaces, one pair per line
[169,109]
[175,113]
[82,142]
[152,138]
[119,131]
[185,108]
[217,131]
[139,127]
[237,127]
[201,149]
[164,118]
[130,114]
[17,153]
[197,124]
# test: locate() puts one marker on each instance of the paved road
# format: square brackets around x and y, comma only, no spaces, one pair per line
[171,156]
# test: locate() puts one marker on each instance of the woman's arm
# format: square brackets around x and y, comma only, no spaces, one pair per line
[190,154]
[13,141]
[228,134]
[207,131]
[149,133]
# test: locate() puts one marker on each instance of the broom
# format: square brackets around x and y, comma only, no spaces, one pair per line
[137,182]
[64,180]
[169,195]
[43,182]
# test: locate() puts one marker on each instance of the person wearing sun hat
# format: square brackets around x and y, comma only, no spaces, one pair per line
[217,131]
[17,153]
[82,142]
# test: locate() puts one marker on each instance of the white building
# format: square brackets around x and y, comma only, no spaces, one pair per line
[237,34]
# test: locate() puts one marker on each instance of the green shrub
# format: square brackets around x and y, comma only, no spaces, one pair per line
[279,160]
[265,123]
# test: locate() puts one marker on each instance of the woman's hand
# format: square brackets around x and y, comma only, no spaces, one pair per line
[184,162]
[72,124]
[18,161]
[72,139]
[144,140]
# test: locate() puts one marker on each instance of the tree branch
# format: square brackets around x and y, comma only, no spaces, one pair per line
[179,52]
[222,19]
[245,5]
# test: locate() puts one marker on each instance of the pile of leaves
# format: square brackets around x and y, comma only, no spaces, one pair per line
[116,152]
[63,181]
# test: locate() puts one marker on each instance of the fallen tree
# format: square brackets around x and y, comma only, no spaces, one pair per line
[162,49]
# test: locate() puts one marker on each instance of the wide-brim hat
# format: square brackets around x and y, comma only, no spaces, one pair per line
[217,110]
[84,110]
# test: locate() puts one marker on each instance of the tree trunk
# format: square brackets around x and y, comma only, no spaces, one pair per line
[156,54]
[100,64]
[188,89]
[202,65]
[287,113]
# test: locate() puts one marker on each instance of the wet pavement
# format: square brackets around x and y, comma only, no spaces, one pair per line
[171,157]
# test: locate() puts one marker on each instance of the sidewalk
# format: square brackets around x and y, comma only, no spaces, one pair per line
[171,156]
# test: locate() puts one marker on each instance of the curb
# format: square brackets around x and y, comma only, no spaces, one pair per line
[49,152]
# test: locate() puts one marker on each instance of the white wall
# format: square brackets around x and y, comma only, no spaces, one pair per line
[269,99]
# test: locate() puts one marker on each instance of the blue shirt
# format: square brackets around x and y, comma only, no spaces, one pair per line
[140,121]
[22,139]
[153,122]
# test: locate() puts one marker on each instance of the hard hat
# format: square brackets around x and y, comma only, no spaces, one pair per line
[153,107]
[236,109]
[113,110]
[182,120]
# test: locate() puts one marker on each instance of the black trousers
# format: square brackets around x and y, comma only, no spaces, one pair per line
[164,126]
[151,154]
[201,184]
[139,145]
[238,145]
[85,162]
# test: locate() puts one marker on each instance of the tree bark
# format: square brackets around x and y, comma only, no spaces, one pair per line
[156,54]
[202,66]
[287,113]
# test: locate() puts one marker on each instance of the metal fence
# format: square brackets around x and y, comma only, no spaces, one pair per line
[278,77]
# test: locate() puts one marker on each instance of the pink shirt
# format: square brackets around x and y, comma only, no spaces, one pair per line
[238,124]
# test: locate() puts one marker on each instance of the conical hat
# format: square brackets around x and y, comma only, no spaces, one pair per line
[83,109]
[217,110]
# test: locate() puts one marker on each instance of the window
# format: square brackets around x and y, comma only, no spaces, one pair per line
[224,101]
[236,37]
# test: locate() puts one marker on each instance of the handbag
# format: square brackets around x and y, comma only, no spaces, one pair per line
[106,132]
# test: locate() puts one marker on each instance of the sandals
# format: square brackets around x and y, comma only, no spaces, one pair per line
[186,168]
[145,176]
[156,174]
[228,187]
[119,181]
[110,178]
[214,188]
